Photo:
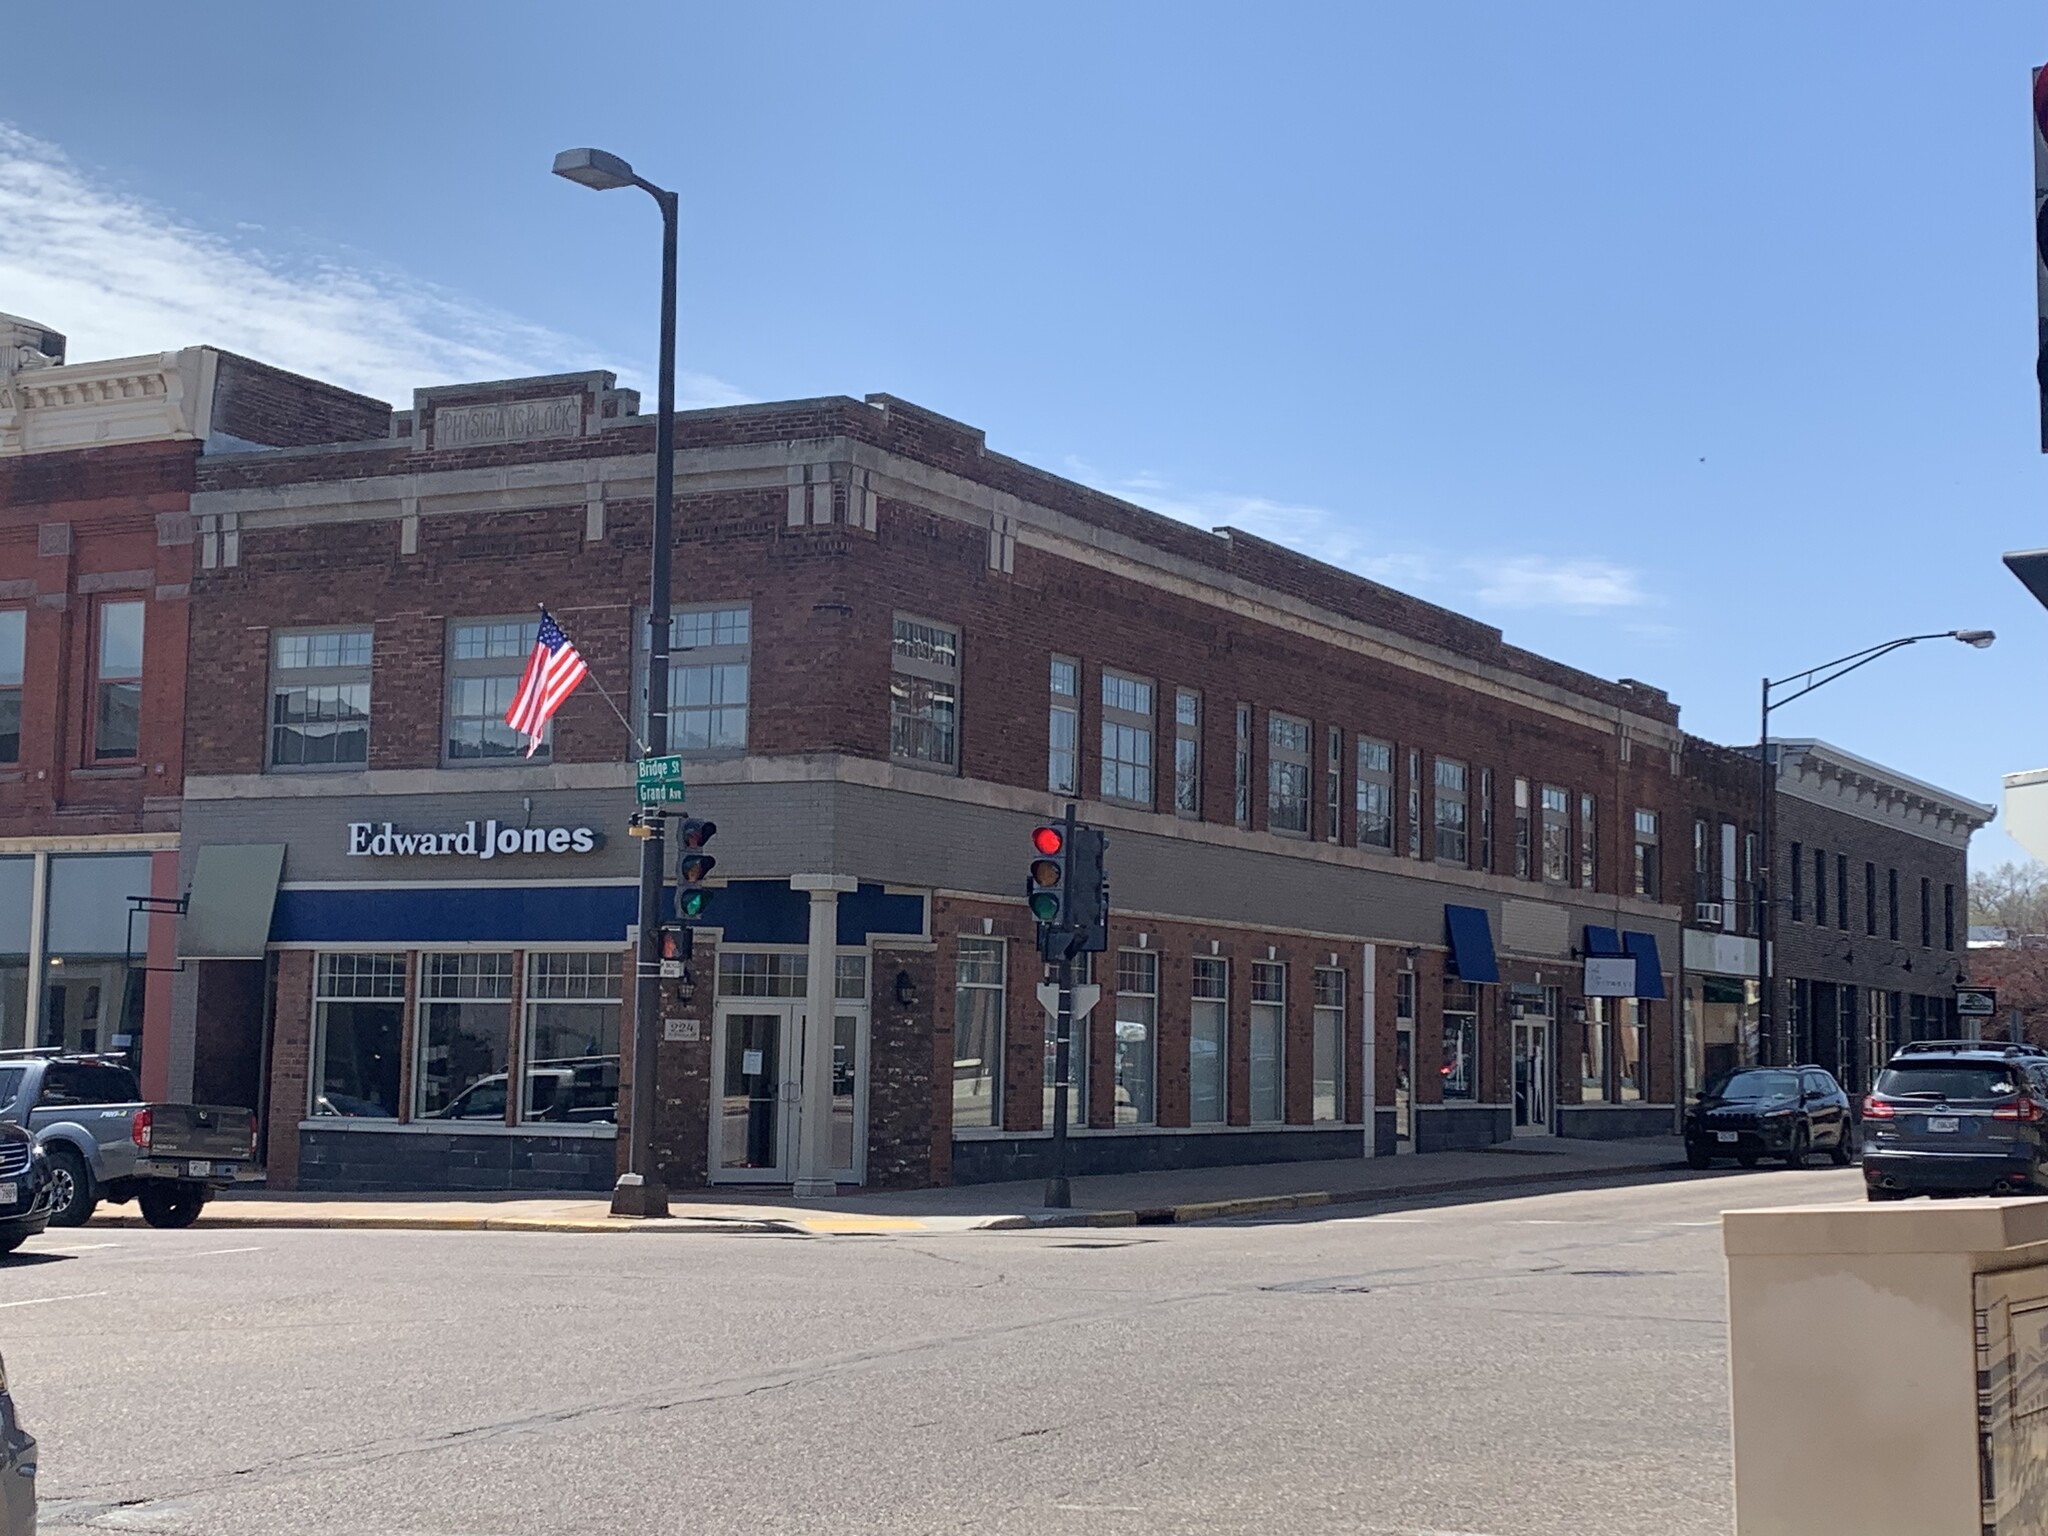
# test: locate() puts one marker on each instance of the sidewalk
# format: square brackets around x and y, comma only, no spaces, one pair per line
[1111,1200]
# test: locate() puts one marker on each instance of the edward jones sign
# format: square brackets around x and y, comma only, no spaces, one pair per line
[369,839]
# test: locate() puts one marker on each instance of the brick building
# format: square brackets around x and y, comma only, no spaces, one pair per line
[1718,833]
[96,553]
[1359,845]
[1873,886]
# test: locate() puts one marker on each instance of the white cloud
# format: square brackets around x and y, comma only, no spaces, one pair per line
[120,277]
[1538,581]
[1501,581]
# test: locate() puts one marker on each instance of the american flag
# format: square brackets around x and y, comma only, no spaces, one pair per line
[552,673]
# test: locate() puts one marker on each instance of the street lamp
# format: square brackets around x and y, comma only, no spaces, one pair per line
[639,1191]
[1766,905]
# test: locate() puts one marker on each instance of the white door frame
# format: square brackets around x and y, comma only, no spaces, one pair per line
[859,1012]
[1542,1027]
[788,1037]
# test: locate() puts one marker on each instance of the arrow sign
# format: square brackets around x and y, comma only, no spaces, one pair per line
[1086,996]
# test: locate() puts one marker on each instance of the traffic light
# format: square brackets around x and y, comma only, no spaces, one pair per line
[1088,899]
[677,942]
[693,865]
[1045,885]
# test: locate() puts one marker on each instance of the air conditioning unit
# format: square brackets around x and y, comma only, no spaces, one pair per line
[1707,913]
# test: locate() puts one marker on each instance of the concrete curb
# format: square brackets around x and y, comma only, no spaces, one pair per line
[1266,1205]
[1185,1214]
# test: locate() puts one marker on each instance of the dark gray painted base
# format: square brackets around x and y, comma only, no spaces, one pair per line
[1614,1122]
[1030,1157]
[1451,1128]
[1385,1139]
[364,1160]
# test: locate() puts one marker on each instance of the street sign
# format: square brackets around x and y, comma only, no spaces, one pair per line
[1976,1002]
[659,781]
[1086,996]
[671,970]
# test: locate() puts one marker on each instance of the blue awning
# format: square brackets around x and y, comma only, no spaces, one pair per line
[1471,943]
[1649,970]
[1603,943]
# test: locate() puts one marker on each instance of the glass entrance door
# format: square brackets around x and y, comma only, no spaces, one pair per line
[754,1108]
[1404,1085]
[1532,1077]
[849,1095]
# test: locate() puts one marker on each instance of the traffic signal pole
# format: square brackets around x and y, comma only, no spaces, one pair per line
[1059,1192]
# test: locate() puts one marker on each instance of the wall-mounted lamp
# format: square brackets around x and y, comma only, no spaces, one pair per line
[906,990]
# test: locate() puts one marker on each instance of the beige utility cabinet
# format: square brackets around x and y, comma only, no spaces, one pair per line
[1889,1366]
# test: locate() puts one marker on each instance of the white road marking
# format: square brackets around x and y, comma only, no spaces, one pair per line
[207,1253]
[71,1247]
[1550,1221]
[39,1301]
[1714,1223]
[1412,1221]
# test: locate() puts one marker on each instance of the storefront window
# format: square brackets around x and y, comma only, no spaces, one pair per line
[1208,1042]
[1593,1052]
[359,1026]
[1720,1027]
[1077,1052]
[92,997]
[572,1038]
[1269,1030]
[1329,1070]
[1461,1040]
[465,1019]
[1631,1061]
[977,1031]
[1137,1033]
[754,973]
[17,884]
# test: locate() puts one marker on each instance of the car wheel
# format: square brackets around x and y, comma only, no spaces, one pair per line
[1796,1157]
[72,1198]
[1844,1152]
[1872,1192]
[12,1241]
[174,1207]
[1698,1157]
[1747,1159]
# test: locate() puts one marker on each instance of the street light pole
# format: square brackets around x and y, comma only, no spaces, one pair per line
[640,1191]
[1771,1049]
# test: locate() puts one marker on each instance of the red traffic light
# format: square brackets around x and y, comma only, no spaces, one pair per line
[1048,840]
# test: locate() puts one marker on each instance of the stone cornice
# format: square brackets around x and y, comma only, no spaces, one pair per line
[1836,780]
[162,396]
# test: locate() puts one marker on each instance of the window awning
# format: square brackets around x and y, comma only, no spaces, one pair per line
[1603,943]
[1649,969]
[1471,938]
[234,887]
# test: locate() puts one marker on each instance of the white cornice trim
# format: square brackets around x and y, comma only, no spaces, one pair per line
[165,397]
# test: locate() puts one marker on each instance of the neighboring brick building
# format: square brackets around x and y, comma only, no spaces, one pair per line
[1717,836]
[1873,918]
[1358,844]
[96,553]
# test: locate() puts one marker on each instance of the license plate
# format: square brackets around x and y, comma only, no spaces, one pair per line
[1942,1122]
[1726,1136]
[200,1170]
[9,1193]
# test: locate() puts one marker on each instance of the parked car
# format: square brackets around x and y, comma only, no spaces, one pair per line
[104,1143]
[27,1187]
[1957,1117]
[17,1469]
[1756,1112]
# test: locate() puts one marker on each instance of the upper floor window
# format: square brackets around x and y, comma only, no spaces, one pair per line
[486,658]
[13,660]
[1375,794]
[1414,802]
[1187,752]
[710,650]
[1798,863]
[1869,899]
[1891,891]
[1063,728]
[1649,876]
[1524,838]
[1486,819]
[117,683]
[1589,847]
[1557,832]
[1287,797]
[924,693]
[1452,840]
[1126,739]
[320,699]
[1241,797]
[1333,786]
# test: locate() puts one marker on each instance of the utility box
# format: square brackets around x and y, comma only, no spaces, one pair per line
[1889,1367]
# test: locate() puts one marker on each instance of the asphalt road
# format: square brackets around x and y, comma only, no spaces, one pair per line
[1551,1364]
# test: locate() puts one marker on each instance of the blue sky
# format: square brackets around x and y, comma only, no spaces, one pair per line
[1686,343]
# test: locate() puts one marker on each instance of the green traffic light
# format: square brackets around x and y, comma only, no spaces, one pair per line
[692,904]
[1045,906]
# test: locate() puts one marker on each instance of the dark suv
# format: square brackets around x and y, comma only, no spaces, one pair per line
[1755,1112]
[1958,1117]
